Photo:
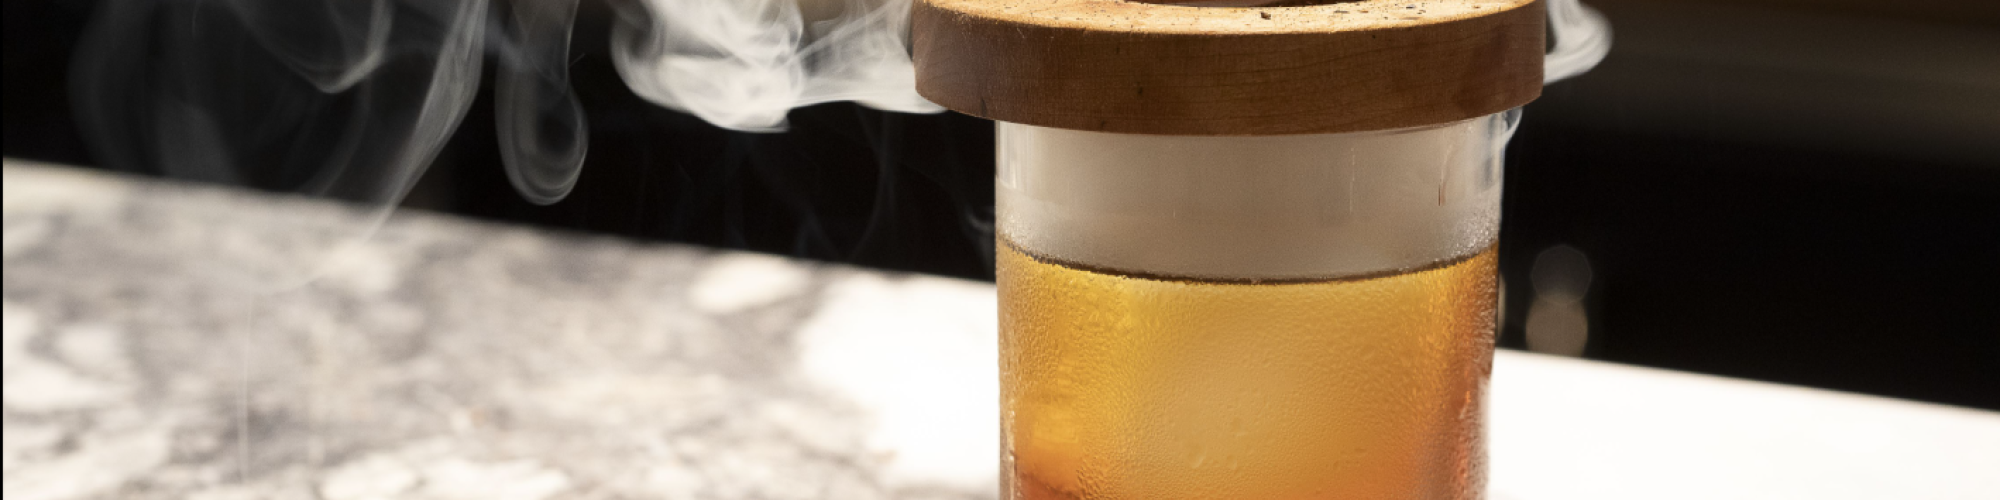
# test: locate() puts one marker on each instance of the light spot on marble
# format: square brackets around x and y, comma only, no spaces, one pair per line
[96,349]
[675,480]
[734,282]
[238,492]
[37,386]
[384,475]
[361,267]
[936,415]
[29,188]
[101,463]
[377,477]
[458,479]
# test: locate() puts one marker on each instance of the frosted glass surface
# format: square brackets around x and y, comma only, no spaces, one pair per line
[1298,206]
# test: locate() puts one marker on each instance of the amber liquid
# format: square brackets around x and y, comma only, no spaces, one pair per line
[1119,386]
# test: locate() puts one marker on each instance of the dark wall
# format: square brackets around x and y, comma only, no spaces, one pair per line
[39,37]
[1858,273]
[1803,192]
[1748,205]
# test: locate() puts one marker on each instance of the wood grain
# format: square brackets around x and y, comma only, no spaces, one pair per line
[1130,67]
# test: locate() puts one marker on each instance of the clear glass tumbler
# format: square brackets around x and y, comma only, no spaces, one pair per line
[1298,316]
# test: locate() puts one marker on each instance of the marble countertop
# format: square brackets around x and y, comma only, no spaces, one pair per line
[173,341]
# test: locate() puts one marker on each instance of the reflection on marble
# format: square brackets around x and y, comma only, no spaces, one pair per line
[169,341]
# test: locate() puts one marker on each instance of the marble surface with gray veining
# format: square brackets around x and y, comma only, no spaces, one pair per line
[175,341]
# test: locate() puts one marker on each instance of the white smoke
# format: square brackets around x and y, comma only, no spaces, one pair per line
[332,44]
[353,98]
[742,64]
[543,132]
[1582,37]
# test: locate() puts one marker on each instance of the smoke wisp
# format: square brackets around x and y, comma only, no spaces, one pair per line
[1581,39]
[343,99]
[352,99]
[742,64]
[543,135]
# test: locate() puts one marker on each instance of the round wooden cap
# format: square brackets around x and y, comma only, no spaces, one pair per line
[1131,67]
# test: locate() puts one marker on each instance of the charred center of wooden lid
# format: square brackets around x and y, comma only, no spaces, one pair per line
[1207,67]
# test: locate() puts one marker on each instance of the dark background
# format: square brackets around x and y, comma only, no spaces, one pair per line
[1798,191]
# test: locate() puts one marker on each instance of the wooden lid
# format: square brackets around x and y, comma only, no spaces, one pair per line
[1131,67]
